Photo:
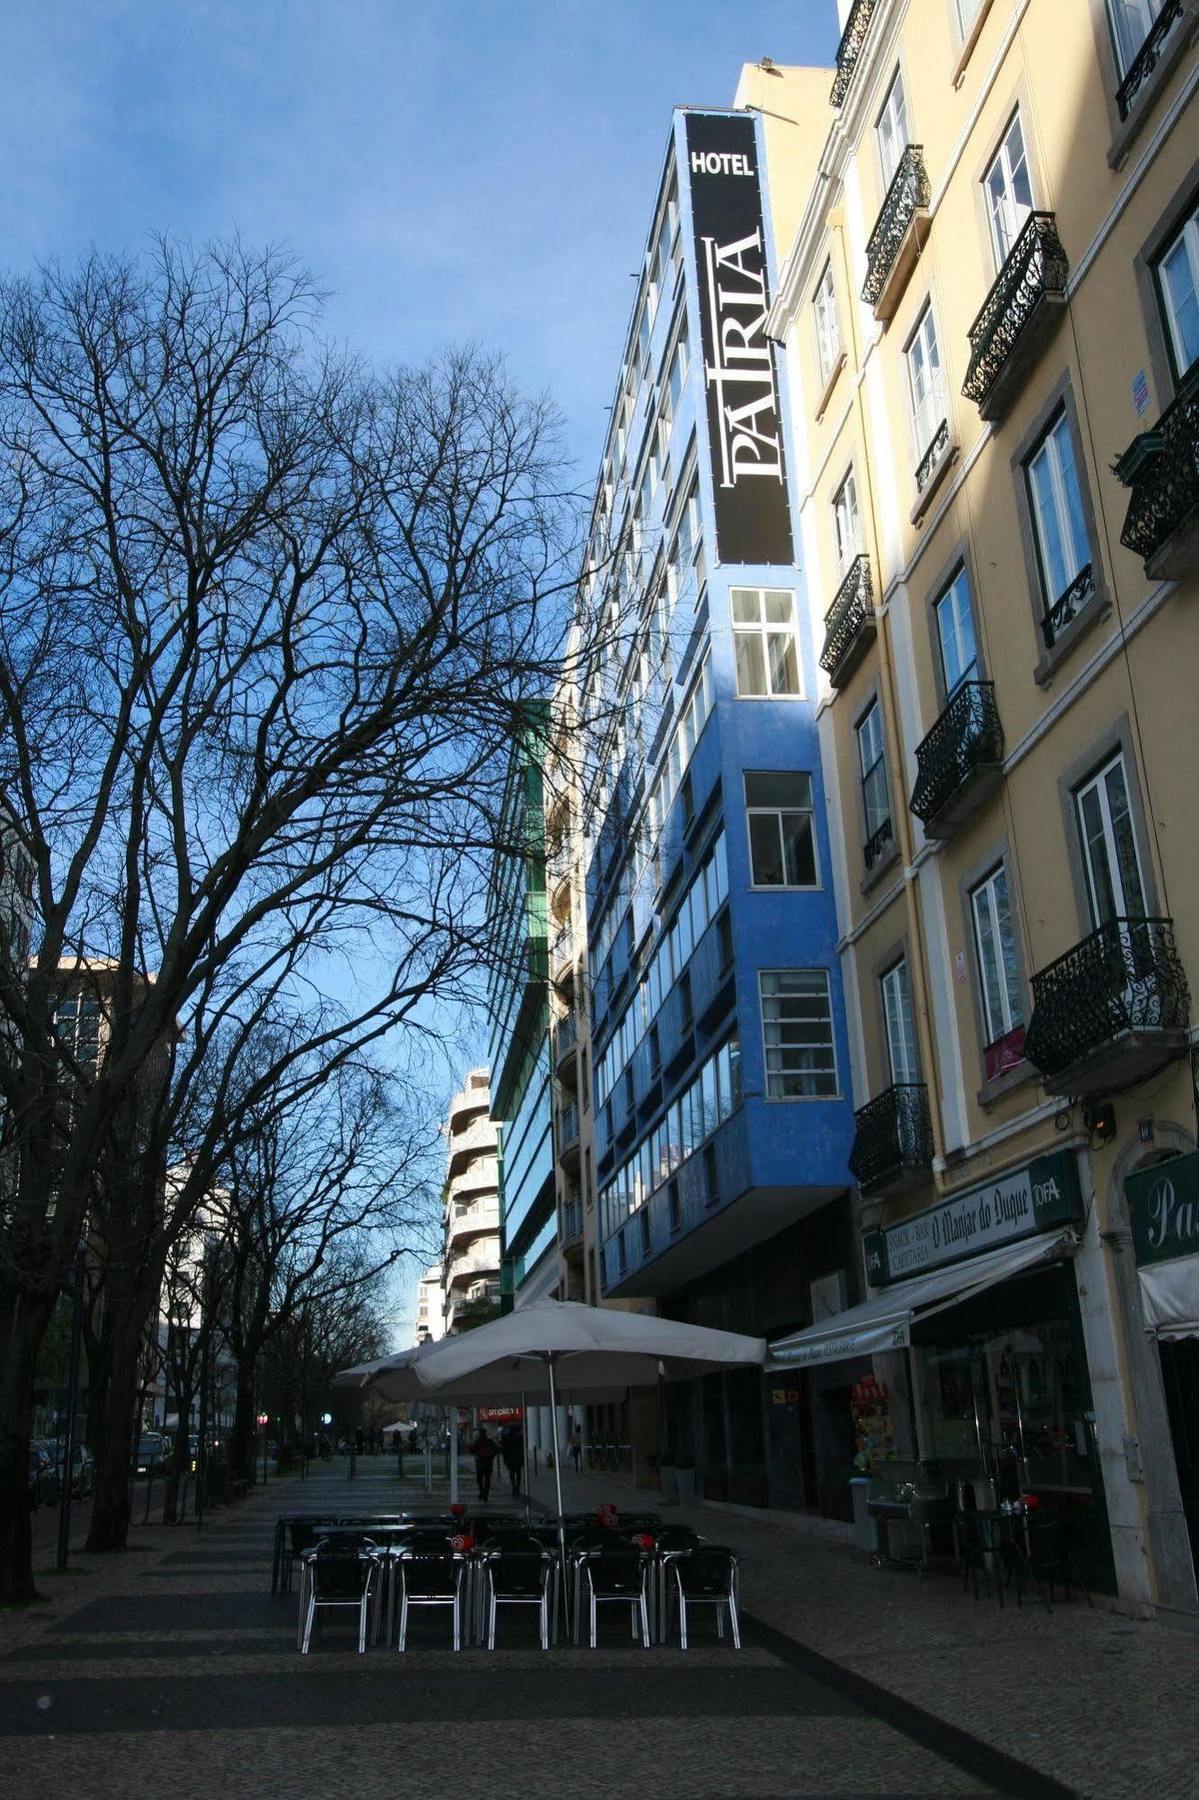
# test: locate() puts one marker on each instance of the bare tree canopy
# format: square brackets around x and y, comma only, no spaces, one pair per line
[270,623]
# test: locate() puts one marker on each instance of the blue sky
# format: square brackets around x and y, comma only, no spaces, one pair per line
[450,170]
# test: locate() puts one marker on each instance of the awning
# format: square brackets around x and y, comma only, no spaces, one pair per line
[884,1322]
[1170,1297]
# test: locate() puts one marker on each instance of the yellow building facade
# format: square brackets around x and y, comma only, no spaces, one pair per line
[990,332]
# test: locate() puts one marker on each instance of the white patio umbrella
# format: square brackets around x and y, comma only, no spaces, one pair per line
[561,1345]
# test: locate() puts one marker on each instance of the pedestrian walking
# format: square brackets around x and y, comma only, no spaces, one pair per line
[512,1449]
[483,1451]
[576,1447]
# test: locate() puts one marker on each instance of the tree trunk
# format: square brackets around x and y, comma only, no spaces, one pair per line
[22,1327]
[241,1438]
[112,1428]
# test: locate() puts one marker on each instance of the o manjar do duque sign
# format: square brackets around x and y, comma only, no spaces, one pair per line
[1029,1200]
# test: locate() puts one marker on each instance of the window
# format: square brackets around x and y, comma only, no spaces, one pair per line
[1115,889]
[847,523]
[764,642]
[1177,273]
[782,850]
[995,948]
[891,128]
[77,1027]
[955,634]
[645,1234]
[797,1029]
[828,331]
[1009,192]
[1055,500]
[674,1211]
[1131,22]
[686,1010]
[901,1034]
[967,12]
[925,392]
[875,794]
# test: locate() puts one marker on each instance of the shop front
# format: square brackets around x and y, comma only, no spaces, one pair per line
[981,1392]
[1163,1206]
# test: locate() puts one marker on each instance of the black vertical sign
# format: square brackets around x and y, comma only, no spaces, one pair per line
[753,520]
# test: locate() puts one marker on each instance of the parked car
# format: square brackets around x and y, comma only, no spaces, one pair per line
[43,1477]
[83,1470]
[152,1451]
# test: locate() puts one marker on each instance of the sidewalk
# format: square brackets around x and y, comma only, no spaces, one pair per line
[174,1665]
[1104,1703]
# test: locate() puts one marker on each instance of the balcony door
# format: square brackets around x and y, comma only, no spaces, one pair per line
[1115,888]
[1009,192]
[901,1033]
[892,129]
[955,635]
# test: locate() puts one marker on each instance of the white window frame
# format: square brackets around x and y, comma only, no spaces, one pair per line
[1078,556]
[1100,784]
[820,987]
[847,523]
[891,128]
[828,325]
[928,411]
[764,629]
[777,812]
[999,973]
[945,607]
[1007,219]
[865,729]
[1126,52]
[1186,239]
[899,1026]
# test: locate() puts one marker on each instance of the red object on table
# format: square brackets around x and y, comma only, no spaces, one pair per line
[607,1513]
[462,1540]
[644,1540]
[457,1509]
[1031,1502]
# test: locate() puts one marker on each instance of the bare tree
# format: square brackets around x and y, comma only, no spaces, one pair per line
[269,624]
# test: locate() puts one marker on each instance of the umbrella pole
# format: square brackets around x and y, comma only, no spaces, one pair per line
[558,1485]
[524,1438]
[452,1421]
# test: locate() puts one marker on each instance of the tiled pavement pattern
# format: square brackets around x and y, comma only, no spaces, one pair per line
[173,1670]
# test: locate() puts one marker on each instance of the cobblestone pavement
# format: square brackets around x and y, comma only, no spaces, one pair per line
[173,1668]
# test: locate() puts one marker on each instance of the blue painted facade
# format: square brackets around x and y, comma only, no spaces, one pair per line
[695,1161]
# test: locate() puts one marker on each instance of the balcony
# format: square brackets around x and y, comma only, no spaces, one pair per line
[566,1042]
[849,625]
[1147,57]
[960,761]
[1068,605]
[893,1144]
[1111,1012]
[898,235]
[850,48]
[568,1133]
[561,953]
[1162,469]
[570,1228]
[1017,316]
[466,1222]
[878,845]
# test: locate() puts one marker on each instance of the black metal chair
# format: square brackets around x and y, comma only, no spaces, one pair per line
[619,1577]
[338,1579]
[431,1578]
[980,1546]
[519,1577]
[708,1576]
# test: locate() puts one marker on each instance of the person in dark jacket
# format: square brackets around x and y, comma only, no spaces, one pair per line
[483,1451]
[512,1449]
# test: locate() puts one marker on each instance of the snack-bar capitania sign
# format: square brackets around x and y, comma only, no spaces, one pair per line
[753,520]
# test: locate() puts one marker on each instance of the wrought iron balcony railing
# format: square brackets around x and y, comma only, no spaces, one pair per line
[1148,56]
[1162,469]
[893,1143]
[908,194]
[848,621]
[566,1037]
[850,48]
[561,947]
[1106,1001]
[878,843]
[1068,605]
[1031,281]
[932,455]
[966,741]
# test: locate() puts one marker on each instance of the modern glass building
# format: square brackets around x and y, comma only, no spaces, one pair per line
[519,1047]
[720,1066]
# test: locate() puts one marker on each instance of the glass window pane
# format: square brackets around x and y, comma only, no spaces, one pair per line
[778,609]
[799,851]
[747,606]
[751,663]
[784,665]
[766,850]
[777,788]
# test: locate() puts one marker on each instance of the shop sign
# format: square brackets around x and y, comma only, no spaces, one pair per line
[1163,1204]
[1033,1199]
[753,519]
